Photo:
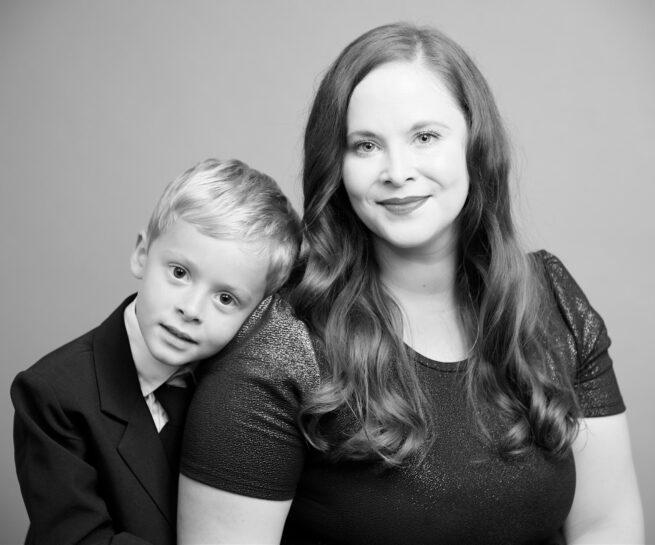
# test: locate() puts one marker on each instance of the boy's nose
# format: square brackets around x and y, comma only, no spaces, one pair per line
[189,308]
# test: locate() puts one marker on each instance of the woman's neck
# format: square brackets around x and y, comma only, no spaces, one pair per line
[424,287]
[412,273]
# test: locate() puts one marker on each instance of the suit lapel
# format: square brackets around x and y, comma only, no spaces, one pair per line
[143,452]
[120,397]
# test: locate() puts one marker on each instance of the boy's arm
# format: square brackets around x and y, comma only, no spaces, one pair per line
[59,486]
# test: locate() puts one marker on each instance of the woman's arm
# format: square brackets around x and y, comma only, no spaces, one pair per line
[210,516]
[607,506]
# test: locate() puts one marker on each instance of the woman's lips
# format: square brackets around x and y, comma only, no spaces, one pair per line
[402,206]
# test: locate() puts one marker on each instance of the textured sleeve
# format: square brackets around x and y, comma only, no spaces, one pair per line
[241,433]
[592,373]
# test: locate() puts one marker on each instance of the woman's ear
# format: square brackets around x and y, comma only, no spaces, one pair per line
[139,255]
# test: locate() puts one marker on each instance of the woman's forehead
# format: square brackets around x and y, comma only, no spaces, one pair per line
[410,90]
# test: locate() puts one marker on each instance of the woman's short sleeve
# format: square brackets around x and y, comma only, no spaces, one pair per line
[241,431]
[592,373]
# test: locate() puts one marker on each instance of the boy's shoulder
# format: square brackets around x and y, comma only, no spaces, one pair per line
[73,361]
[67,358]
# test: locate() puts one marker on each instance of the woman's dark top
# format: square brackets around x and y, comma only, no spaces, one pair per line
[242,437]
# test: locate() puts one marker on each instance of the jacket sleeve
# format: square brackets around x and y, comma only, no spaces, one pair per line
[54,465]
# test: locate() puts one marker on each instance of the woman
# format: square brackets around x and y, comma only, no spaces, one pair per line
[442,387]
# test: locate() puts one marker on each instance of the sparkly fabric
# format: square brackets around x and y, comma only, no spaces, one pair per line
[242,437]
[247,401]
[578,338]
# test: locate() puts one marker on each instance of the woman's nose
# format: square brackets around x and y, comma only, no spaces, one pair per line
[399,167]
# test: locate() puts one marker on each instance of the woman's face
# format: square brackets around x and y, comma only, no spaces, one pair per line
[404,168]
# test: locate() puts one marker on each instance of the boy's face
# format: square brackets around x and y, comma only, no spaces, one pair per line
[197,291]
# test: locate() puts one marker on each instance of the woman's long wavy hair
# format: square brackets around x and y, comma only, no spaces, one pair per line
[370,377]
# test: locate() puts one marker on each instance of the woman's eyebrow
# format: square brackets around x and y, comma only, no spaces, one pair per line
[428,123]
[415,127]
[362,133]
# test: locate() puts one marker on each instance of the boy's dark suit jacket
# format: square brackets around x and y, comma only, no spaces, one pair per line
[90,463]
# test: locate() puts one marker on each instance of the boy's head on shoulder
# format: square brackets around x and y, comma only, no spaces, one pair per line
[221,238]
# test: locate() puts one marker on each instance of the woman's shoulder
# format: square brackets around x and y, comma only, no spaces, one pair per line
[551,265]
[272,343]
[570,297]
[570,305]
[554,269]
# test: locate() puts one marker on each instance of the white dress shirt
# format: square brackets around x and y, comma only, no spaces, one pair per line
[151,372]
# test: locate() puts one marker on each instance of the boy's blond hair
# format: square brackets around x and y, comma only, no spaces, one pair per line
[229,200]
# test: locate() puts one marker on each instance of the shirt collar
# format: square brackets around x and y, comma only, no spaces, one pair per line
[151,372]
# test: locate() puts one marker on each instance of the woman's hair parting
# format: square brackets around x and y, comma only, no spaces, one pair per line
[230,200]
[370,375]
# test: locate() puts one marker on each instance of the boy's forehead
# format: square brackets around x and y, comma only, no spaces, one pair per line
[182,234]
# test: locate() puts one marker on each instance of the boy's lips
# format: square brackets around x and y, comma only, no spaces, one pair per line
[179,334]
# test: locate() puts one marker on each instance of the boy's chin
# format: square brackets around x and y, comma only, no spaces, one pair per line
[172,359]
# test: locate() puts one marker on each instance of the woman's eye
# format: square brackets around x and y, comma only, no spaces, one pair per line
[226,299]
[365,147]
[178,272]
[427,137]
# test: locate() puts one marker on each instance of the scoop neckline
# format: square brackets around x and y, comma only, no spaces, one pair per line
[447,366]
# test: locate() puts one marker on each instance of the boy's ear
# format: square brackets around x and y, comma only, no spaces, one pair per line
[139,255]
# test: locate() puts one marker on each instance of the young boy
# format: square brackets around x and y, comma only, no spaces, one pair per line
[96,436]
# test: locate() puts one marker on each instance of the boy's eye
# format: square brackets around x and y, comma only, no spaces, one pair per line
[178,272]
[226,299]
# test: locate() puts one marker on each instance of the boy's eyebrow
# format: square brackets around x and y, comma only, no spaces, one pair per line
[174,255]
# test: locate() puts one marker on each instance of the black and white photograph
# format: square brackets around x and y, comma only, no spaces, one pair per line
[350,272]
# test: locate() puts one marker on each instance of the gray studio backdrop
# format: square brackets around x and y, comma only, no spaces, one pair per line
[103,102]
